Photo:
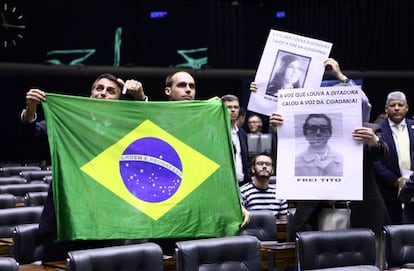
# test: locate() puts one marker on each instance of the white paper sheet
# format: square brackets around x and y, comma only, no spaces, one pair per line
[287,57]
[333,175]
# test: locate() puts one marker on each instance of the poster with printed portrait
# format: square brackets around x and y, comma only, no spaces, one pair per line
[289,71]
[289,61]
[318,159]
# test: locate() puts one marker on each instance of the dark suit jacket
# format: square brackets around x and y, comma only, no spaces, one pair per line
[406,196]
[244,151]
[368,213]
[34,136]
[388,171]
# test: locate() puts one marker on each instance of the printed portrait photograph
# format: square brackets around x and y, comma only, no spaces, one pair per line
[289,71]
[317,143]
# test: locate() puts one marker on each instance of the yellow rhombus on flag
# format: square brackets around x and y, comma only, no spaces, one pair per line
[105,169]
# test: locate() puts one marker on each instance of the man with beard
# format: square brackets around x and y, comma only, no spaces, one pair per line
[259,194]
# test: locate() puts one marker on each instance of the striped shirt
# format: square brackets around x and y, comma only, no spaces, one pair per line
[254,198]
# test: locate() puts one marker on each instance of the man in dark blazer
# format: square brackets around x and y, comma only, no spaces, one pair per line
[239,138]
[392,172]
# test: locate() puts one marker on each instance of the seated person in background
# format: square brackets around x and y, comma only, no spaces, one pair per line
[257,141]
[255,124]
[259,194]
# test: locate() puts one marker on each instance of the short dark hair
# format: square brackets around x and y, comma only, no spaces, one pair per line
[168,80]
[229,98]
[268,154]
[316,116]
[110,77]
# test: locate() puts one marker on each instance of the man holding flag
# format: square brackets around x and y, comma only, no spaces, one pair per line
[105,86]
[137,177]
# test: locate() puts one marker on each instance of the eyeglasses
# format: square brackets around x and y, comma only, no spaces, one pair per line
[324,130]
[263,163]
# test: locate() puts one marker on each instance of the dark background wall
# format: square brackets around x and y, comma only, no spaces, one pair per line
[372,40]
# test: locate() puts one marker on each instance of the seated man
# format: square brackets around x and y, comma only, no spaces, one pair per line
[259,194]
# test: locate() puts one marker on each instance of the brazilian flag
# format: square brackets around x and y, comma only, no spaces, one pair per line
[132,170]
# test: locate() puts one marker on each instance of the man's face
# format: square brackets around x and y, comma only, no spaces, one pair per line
[105,89]
[234,109]
[255,124]
[182,87]
[396,110]
[262,167]
[318,132]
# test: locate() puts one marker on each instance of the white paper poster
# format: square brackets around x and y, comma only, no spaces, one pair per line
[288,61]
[317,157]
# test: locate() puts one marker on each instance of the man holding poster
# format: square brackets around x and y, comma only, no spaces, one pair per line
[360,147]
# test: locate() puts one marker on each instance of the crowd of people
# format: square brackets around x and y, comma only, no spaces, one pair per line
[388,191]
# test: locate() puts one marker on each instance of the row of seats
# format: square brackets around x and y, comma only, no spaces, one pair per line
[316,250]
[22,225]
[44,176]
[340,250]
[355,249]
[21,190]
[240,253]
[227,253]
[30,199]
[7,171]
[22,182]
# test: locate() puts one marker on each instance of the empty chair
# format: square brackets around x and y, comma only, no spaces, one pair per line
[9,164]
[352,249]
[7,201]
[8,264]
[231,253]
[47,179]
[15,170]
[11,217]
[35,198]
[398,245]
[137,257]
[27,243]
[262,225]
[35,175]
[20,190]
[12,180]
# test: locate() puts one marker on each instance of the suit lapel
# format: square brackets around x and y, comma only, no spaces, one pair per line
[387,135]
[410,126]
